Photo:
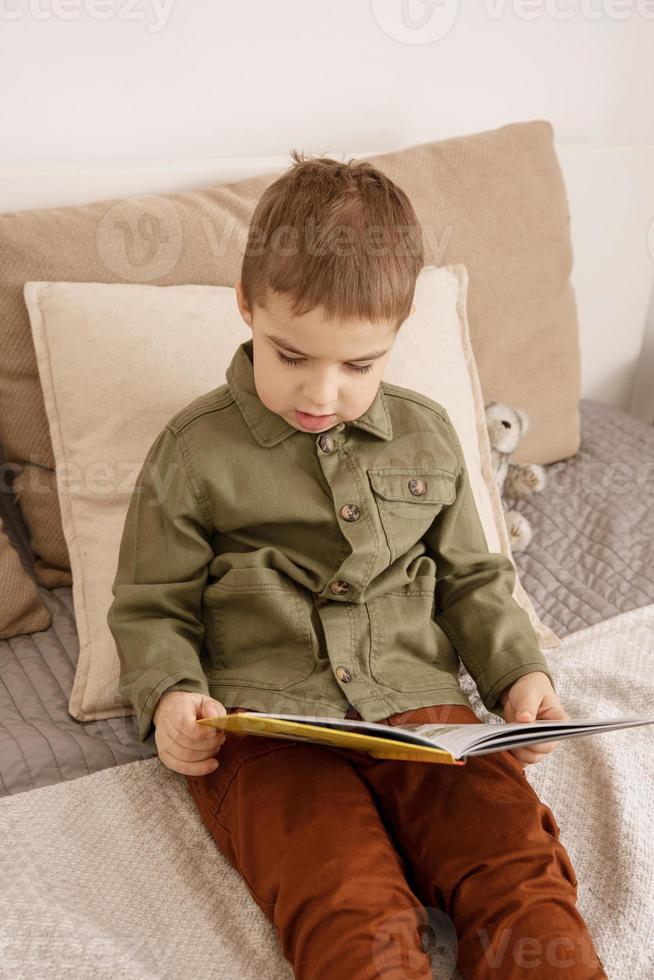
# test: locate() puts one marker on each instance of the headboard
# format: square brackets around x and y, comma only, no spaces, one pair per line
[611,197]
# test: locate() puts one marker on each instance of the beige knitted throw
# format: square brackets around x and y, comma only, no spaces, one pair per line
[114,874]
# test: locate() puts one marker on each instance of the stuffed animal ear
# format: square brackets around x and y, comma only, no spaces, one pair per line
[524,419]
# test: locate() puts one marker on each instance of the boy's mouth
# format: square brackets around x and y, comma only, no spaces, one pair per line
[314,422]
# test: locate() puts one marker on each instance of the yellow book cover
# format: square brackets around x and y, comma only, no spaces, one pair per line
[448,744]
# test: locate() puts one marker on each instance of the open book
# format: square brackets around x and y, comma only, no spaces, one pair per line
[450,744]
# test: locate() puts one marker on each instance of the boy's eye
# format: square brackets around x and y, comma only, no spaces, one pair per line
[298,360]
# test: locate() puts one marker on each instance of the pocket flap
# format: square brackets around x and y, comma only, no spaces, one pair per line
[395,484]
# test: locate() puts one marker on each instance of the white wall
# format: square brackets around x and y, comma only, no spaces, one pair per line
[94,82]
[206,78]
[611,198]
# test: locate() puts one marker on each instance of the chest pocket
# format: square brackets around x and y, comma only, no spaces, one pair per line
[408,500]
[258,629]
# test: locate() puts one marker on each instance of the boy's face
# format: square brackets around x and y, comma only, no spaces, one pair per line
[332,376]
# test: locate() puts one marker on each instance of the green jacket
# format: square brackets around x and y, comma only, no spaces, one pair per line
[297,572]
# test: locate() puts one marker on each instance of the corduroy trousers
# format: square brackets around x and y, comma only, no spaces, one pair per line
[354,859]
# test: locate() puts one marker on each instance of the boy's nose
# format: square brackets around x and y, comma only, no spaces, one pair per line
[323,395]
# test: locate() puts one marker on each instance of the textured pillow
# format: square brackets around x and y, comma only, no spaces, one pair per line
[118,361]
[21,609]
[492,201]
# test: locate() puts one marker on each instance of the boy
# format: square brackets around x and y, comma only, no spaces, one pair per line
[304,539]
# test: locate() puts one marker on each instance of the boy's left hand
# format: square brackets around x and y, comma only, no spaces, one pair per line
[532,698]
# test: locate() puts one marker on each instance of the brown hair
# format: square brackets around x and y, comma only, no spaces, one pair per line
[295,242]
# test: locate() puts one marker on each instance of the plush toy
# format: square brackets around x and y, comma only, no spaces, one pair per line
[506,426]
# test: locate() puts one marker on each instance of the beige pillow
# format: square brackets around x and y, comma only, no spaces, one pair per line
[21,608]
[493,201]
[118,361]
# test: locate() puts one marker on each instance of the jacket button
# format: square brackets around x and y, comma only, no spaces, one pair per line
[326,443]
[350,512]
[417,487]
[343,674]
[339,587]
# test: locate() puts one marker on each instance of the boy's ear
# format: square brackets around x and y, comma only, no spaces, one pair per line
[242,305]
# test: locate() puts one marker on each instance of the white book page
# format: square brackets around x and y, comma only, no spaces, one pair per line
[463,739]
[491,737]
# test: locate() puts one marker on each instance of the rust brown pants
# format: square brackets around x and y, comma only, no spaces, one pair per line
[354,858]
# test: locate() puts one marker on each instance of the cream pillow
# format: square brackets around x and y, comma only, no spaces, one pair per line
[117,361]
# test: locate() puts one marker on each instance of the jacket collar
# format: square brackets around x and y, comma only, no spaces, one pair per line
[267,427]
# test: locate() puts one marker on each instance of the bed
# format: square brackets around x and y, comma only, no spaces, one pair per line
[591,557]
[87,805]
[589,567]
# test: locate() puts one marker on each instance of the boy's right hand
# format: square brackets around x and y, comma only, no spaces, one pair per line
[183,745]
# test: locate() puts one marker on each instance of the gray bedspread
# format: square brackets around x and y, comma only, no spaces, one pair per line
[592,552]
[591,557]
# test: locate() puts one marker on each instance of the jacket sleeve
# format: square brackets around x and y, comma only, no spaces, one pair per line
[155,616]
[474,605]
